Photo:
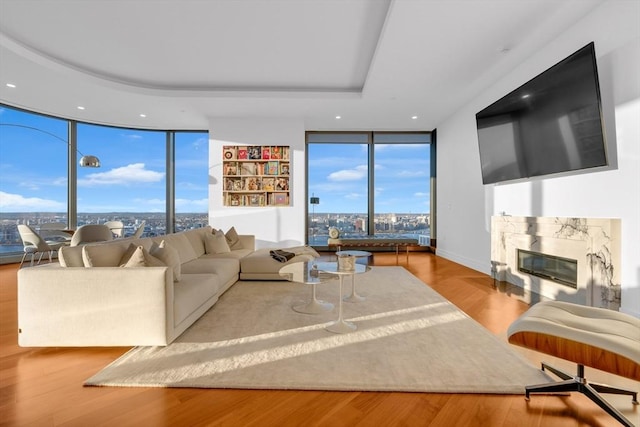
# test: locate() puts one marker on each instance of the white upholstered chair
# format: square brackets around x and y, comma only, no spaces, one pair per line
[54,231]
[90,233]
[116,227]
[33,243]
[139,230]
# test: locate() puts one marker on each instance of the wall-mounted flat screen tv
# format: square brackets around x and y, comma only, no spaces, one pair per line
[551,124]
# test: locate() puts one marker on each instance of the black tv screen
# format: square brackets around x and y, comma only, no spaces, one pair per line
[551,124]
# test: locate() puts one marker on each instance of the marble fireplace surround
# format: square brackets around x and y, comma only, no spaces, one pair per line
[593,242]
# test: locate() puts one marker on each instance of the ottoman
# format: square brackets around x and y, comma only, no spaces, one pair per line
[260,265]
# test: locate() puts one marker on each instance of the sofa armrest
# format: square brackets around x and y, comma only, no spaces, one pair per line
[98,306]
[248,241]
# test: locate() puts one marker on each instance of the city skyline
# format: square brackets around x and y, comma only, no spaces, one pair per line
[406,224]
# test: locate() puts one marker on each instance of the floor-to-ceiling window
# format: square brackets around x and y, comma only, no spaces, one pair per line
[368,183]
[132,184]
[338,177]
[33,173]
[402,197]
[191,180]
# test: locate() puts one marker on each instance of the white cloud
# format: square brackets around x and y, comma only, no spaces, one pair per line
[126,175]
[18,203]
[421,194]
[359,172]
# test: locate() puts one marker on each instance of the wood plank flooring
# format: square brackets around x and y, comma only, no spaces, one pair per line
[43,386]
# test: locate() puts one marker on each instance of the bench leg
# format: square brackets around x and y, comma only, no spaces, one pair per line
[579,384]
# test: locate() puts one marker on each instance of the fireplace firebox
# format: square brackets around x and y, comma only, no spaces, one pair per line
[558,269]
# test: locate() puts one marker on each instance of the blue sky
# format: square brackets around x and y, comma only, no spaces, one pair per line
[338,176]
[132,177]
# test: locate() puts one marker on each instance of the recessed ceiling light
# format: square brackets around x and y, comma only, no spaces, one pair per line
[11,85]
[338,117]
[525,96]
[80,107]
[414,117]
[143,115]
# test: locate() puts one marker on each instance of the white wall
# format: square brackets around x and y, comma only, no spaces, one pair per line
[465,206]
[273,226]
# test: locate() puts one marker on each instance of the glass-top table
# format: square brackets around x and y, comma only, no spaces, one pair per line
[313,273]
[354,297]
[308,273]
[341,326]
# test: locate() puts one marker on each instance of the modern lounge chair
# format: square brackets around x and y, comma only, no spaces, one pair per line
[588,336]
[90,233]
[33,243]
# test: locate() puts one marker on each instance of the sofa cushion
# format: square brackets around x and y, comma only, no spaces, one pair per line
[70,256]
[216,243]
[192,291]
[237,254]
[233,239]
[196,238]
[138,256]
[169,256]
[135,258]
[260,261]
[226,268]
[104,255]
[181,243]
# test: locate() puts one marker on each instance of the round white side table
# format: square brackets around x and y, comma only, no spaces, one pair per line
[308,273]
[341,326]
[354,297]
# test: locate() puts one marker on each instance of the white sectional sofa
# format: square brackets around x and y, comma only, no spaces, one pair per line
[259,265]
[90,299]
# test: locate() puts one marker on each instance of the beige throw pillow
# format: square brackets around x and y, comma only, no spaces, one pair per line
[216,243]
[138,256]
[233,240]
[169,256]
[107,255]
[136,259]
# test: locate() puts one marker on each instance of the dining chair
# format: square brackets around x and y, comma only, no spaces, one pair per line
[90,233]
[116,227]
[54,231]
[139,230]
[33,244]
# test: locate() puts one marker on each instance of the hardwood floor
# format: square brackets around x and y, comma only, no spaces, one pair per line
[43,386]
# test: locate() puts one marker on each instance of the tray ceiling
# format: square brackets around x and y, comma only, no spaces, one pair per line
[374,62]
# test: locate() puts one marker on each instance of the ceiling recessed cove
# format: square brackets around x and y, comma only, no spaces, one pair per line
[282,50]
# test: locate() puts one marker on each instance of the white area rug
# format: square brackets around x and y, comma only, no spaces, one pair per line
[409,338]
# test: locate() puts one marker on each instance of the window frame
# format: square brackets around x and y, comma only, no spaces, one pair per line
[72,170]
[313,137]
